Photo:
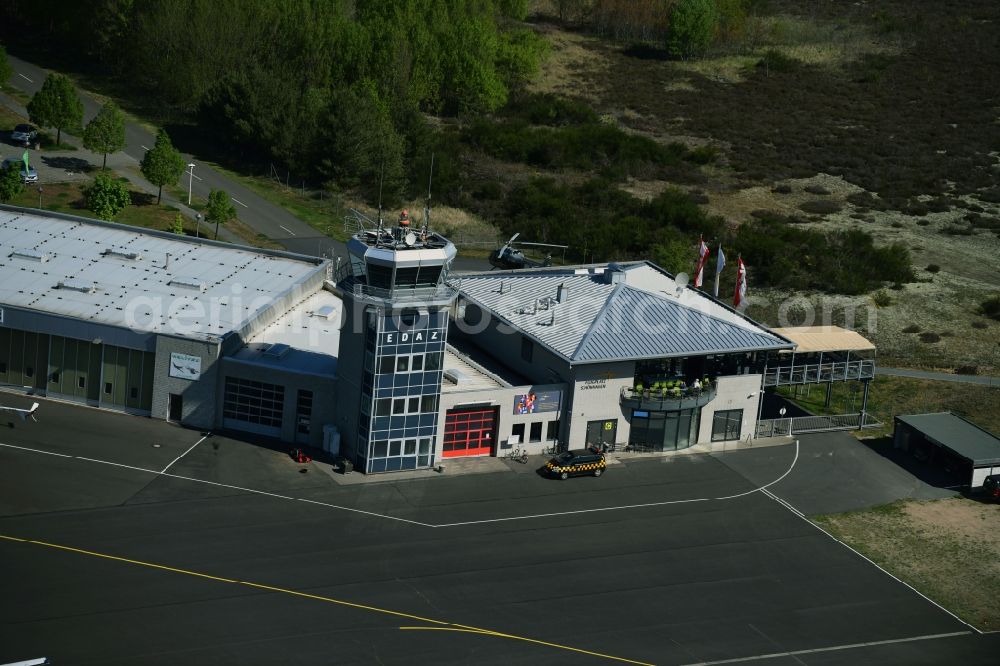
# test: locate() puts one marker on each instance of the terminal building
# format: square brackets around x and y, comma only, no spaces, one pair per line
[386,356]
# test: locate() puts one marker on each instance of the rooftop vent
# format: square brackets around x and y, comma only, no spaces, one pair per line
[122,253]
[325,312]
[456,376]
[83,286]
[277,350]
[30,255]
[562,293]
[614,274]
[188,283]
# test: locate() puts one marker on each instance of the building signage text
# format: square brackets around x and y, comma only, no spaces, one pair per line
[414,336]
[185,366]
[594,384]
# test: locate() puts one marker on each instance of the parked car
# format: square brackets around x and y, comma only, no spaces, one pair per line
[24,134]
[576,463]
[991,486]
[28,175]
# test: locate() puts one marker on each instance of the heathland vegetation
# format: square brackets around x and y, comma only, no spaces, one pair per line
[622,128]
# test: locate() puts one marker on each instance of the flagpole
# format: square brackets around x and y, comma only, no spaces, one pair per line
[715,287]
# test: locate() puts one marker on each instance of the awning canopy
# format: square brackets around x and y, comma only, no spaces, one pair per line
[824,339]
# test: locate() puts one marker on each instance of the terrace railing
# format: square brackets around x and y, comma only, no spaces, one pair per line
[804,424]
[820,373]
[667,400]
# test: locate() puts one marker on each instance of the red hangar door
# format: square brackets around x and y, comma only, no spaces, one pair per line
[469,431]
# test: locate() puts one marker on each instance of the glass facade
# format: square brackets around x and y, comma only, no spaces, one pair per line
[400,388]
[663,431]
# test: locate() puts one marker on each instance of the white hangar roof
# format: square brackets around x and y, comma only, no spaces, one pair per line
[121,276]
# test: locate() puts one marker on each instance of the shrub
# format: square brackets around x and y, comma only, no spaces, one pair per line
[912,328]
[698,196]
[821,206]
[930,338]
[967,370]
[816,189]
[177,226]
[990,307]
[702,155]
[776,61]
[783,188]
[897,224]
[692,27]
[958,230]
[107,196]
[10,181]
[548,109]
[980,324]
[845,262]
[881,298]
[923,222]
[991,195]
[932,268]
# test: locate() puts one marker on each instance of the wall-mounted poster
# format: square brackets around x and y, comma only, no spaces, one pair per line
[536,402]
[185,366]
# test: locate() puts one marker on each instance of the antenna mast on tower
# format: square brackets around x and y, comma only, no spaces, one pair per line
[427,204]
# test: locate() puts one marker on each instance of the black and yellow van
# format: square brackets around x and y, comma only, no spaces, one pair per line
[576,463]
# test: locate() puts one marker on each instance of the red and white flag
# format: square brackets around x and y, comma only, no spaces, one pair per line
[740,297]
[699,270]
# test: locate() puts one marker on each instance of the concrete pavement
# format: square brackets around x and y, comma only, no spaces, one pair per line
[106,563]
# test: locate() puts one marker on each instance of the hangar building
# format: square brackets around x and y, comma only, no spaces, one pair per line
[407,362]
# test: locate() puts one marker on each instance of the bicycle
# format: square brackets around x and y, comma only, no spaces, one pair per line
[518,455]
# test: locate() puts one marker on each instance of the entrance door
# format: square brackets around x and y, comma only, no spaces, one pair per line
[176,407]
[602,433]
[726,425]
[469,432]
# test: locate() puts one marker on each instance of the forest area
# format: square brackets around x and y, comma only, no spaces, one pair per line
[356,96]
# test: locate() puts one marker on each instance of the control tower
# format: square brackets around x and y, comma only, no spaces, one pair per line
[396,300]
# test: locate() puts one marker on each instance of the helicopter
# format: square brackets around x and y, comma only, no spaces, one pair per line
[509,257]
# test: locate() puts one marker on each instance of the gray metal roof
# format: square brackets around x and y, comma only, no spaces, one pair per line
[120,276]
[641,314]
[951,431]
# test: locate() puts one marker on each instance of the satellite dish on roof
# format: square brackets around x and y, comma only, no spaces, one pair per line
[410,238]
[682,282]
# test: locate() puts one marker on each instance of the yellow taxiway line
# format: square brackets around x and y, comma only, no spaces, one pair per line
[441,625]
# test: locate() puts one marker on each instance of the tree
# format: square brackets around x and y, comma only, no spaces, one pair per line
[692,27]
[108,196]
[10,181]
[105,133]
[56,105]
[6,71]
[163,164]
[219,210]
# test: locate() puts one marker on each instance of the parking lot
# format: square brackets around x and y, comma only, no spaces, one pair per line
[127,540]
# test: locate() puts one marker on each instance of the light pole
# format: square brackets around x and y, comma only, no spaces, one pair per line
[197,225]
[190,181]
[39,196]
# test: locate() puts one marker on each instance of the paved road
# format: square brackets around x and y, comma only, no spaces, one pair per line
[167,570]
[70,165]
[261,215]
[939,376]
